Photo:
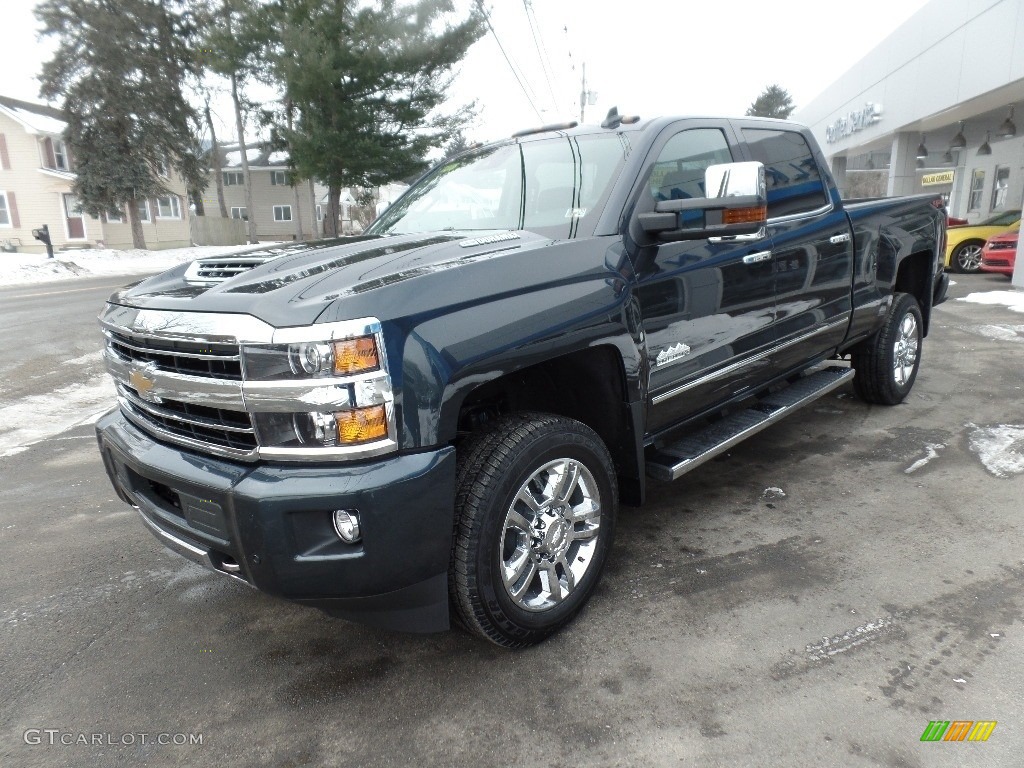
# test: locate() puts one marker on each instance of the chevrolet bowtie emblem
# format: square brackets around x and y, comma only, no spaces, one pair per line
[141,380]
[669,354]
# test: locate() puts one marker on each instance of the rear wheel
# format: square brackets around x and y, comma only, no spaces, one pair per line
[535,514]
[967,257]
[886,364]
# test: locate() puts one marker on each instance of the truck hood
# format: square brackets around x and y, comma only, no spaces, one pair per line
[296,283]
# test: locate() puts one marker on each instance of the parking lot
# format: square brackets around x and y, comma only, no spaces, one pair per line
[813,598]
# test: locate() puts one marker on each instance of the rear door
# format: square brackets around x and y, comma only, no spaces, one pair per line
[812,247]
[707,305]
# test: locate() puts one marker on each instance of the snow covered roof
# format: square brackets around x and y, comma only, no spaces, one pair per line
[36,118]
[258,155]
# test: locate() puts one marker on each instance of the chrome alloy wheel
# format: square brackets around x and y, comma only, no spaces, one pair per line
[968,258]
[905,350]
[550,534]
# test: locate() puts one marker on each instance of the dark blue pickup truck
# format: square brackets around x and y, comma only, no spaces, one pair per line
[439,419]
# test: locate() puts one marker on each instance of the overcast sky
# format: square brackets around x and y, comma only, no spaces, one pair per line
[648,57]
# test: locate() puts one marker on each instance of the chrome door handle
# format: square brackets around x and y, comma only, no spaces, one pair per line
[755,258]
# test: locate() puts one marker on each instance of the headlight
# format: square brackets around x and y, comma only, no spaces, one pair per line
[320,391]
[311,359]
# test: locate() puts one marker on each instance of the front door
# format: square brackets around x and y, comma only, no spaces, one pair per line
[73,218]
[707,305]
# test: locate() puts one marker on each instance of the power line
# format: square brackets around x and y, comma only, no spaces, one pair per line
[527,6]
[487,20]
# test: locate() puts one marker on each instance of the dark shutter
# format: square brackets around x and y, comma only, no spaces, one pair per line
[5,161]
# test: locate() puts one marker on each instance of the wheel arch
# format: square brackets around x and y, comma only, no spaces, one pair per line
[590,385]
[914,275]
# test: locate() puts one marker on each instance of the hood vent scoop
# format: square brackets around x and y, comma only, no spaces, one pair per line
[221,268]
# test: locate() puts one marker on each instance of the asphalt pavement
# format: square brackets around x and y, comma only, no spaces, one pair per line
[813,598]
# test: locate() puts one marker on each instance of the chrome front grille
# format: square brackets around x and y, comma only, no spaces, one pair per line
[182,384]
[232,430]
[218,361]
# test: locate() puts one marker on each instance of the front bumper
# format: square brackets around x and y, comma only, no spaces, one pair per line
[270,525]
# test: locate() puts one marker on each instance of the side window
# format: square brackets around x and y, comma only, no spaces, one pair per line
[791,174]
[678,173]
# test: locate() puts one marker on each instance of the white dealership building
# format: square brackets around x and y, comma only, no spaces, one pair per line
[934,108]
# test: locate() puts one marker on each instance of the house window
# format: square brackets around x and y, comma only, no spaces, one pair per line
[168,207]
[111,219]
[282,213]
[233,178]
[5,211]
[279,178]
[142,206]
[60,155]
[162,168]
[977,188]
[1000,188]
[240,213]
[319,213]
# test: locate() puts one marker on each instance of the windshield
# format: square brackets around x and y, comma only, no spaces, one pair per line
[1004,219]
[550,186]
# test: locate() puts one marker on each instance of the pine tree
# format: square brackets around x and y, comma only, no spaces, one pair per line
[774,101]
[119,71]
[367,83]
[234,32]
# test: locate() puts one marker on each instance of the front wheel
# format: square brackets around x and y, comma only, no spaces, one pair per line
[886,365]
[536,501]
[967,257]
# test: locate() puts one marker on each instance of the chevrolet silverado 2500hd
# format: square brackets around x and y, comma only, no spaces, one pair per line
[439,418]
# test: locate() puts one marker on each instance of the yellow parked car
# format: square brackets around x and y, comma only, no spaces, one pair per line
[964,244]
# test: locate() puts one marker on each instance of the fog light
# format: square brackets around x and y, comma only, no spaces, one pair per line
[346,525]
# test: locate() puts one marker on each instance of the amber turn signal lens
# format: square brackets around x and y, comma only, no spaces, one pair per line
[356,355]
[744,215]
[362,425]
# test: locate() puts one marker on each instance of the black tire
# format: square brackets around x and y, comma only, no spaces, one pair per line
[885,372]
[492,539]
[966,258]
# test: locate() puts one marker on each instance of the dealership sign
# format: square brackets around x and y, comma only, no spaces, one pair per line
[853,122]
[942,177]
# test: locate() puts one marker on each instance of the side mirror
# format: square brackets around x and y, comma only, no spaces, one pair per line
[737,205]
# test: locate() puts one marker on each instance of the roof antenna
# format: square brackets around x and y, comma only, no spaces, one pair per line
[613,120]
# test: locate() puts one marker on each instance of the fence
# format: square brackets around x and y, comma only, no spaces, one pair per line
[206,230]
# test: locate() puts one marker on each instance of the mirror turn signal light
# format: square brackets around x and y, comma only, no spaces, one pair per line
[745,215]
[361,425]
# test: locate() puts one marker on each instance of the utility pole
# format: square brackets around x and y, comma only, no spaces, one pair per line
[586,97]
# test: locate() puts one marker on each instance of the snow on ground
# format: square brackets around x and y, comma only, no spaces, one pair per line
[24,268]
[1000,448]
[66,407]
[1014,300]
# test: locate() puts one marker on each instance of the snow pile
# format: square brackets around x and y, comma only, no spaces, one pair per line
[1014,300]
[22,268]
[1000,448]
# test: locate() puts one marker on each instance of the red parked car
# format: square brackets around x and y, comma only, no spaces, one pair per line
[999,253]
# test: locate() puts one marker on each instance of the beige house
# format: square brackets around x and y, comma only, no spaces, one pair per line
[280,211]
[36,174]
